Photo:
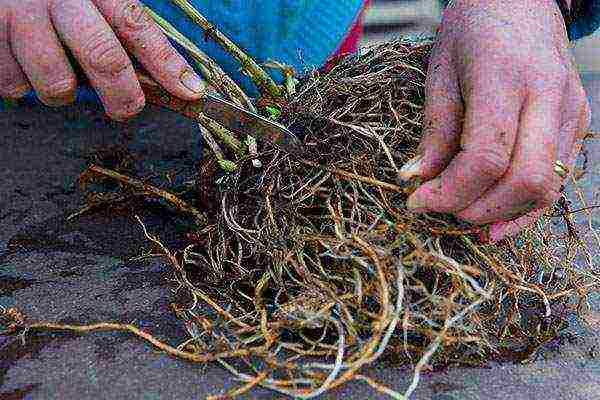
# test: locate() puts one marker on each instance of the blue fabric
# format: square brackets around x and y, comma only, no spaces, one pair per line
[302,33]
[296,32]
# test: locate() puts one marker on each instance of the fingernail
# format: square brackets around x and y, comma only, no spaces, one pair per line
[193,82]
[411,169]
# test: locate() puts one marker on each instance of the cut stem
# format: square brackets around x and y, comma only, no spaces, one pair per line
[226,165]
[224,134]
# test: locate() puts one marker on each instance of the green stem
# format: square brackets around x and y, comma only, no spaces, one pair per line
[258,75]
[208,67]
[224,134]
[226,165]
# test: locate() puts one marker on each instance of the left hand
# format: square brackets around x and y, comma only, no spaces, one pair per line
[504,103]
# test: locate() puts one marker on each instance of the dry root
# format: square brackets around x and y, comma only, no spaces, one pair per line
[319,269]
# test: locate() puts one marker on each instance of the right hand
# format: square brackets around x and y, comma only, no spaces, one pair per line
[97,33]
[504,104]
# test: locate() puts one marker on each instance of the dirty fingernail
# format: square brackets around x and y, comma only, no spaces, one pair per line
[411,169]
[193,82]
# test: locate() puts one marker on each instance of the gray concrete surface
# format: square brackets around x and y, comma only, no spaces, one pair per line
[81,272]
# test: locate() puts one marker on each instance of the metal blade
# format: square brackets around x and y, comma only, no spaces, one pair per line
[243,122]
[231,116]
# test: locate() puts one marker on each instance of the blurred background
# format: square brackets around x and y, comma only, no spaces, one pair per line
[389,18]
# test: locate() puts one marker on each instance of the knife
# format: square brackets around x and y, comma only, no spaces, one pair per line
[227,114]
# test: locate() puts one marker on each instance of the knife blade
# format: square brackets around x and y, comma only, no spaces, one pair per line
[229,115]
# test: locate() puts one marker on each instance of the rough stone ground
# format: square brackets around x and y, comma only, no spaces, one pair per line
[80,272]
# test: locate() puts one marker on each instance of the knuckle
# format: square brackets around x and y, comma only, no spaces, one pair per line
[130,15]
[162,52]
[549,77]
[553,65]
[105,54]
[493,162]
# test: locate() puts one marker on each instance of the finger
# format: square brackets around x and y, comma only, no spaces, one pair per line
[40,54]
[576,121]
[576,118]
[13,82]
[504,230]
[85,31]
[531,182]
[443,115]
[142,37]
[493,97]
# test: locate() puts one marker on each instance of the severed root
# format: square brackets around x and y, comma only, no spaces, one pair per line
[243,389]
[349,176]
[17,323]
[147,188]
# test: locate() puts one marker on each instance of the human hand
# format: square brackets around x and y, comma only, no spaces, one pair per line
[35,34]
[504,102]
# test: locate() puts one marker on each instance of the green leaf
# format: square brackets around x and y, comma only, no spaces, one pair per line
[274,112]
[227,166]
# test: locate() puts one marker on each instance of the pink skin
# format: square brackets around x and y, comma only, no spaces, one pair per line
[504,102]
[100,34]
